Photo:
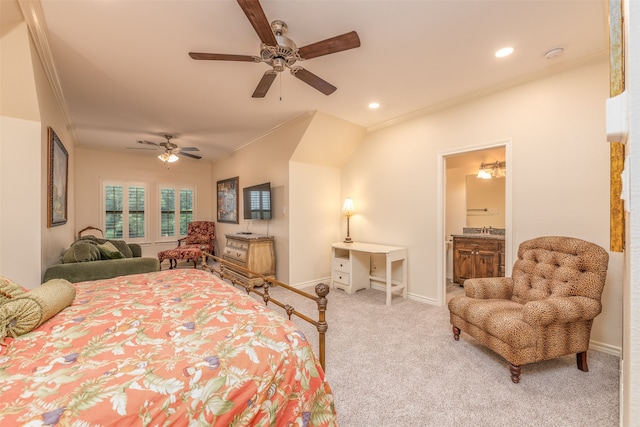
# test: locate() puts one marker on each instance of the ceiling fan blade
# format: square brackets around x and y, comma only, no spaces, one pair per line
[147,143]
[189,149]
[256,16]
[193,156]
[223,57]
[141,148]
[265,83]
[311,79]
[334,44]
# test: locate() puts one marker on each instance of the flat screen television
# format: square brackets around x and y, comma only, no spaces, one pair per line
[257,201]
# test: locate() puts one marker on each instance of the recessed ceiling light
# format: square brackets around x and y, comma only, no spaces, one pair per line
[506,51]
[374,105]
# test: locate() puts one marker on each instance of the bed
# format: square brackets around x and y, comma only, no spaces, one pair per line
[177,347]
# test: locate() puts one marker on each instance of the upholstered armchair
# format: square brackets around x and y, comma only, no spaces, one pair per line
[200,237]
[544,310]
[200,234]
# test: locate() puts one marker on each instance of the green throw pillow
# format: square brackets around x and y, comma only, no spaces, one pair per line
[122,247]
[109,251]
[81,252]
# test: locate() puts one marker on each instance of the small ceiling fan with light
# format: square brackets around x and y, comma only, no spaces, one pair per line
[280,52]
[170,150]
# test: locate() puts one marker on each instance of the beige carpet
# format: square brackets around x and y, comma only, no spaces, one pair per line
[400,366]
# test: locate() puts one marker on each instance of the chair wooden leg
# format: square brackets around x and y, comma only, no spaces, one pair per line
[515,372]
[456,333]
[581,359]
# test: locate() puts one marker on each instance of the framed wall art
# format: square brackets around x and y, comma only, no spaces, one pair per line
[228,200]
[58,175]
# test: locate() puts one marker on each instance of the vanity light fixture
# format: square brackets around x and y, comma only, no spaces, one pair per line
[492,170]
[348,210]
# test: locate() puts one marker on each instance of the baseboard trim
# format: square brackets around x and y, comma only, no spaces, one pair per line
[302,285]
[413,297]
[605,348]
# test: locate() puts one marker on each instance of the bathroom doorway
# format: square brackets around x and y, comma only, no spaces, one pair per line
[458,169]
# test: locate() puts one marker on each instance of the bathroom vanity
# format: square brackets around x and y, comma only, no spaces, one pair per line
[477,255]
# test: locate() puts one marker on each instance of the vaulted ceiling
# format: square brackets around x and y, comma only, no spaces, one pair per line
[125,73]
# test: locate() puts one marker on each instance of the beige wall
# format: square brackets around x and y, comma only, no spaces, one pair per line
[264,160]
[19,161]
[556,123]
[315,198]
[28,108]
[314,221]
[92,166]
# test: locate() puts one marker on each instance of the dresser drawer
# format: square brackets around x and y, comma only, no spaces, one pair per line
[236,244]
[235,254]
[341,277]
[341,264]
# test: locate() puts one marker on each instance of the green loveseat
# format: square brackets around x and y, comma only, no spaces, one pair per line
[91,258]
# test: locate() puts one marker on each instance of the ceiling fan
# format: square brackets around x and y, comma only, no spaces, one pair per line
[171,150]
[280,52]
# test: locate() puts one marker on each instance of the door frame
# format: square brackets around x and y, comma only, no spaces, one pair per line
[441,209]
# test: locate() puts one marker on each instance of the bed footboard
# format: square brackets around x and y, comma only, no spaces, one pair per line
[321,289]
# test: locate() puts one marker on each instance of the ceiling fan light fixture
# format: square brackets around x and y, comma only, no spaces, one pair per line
[278,64]
[168,157]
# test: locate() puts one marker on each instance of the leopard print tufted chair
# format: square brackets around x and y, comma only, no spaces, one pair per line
[544,310]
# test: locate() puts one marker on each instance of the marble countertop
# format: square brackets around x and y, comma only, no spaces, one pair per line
[480,236]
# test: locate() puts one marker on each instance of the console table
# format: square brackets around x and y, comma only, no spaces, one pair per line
[351,267]
[251,251]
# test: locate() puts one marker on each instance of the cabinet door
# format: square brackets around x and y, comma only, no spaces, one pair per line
[463,262]
[487,264]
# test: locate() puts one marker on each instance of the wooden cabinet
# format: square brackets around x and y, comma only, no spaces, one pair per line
[254,252]
[477,257]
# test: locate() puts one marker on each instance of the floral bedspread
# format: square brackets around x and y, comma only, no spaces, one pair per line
[177,347]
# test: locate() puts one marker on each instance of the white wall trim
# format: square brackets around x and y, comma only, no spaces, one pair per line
[302,285]
[34,17]
[605,348]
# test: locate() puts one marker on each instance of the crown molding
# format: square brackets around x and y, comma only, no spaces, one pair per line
[34,17]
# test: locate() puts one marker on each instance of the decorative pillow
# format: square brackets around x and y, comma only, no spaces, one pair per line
[81,252]
[9,289]
[31,309]
[122,246]
[109,251]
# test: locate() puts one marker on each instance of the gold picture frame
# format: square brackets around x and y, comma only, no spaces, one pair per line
[58,179]
[227,191]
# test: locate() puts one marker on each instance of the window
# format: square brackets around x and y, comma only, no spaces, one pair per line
[176,210]
[124,210]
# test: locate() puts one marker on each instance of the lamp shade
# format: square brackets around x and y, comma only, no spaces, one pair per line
[347,207]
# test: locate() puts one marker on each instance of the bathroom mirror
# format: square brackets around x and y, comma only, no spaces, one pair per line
[485,202]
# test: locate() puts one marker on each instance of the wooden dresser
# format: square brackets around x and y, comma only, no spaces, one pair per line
[477,256]
[254,252]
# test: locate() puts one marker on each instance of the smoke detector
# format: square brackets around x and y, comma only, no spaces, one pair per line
[554,53]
